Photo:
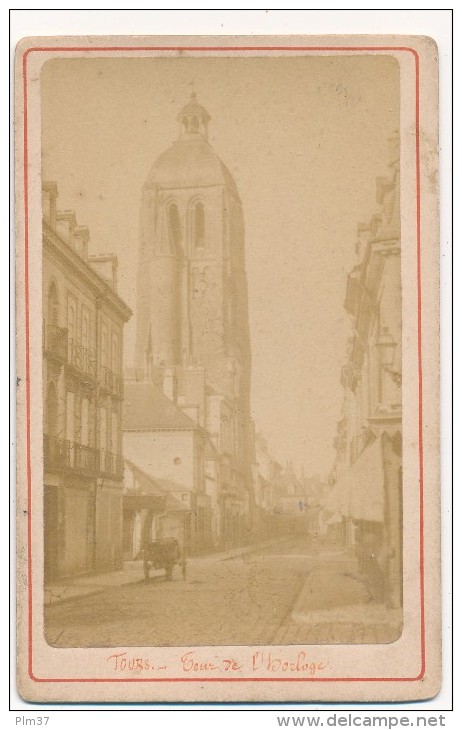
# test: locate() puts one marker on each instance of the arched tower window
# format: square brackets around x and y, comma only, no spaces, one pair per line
[199,226]
[53,305]
[175,224]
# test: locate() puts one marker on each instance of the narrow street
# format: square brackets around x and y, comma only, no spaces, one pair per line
[223,601]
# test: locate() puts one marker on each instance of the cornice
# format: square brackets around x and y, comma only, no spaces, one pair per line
[99,287]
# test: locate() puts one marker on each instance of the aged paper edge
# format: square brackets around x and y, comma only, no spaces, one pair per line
[426,683]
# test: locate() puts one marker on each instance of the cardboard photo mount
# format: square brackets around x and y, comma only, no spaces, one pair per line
[403,670]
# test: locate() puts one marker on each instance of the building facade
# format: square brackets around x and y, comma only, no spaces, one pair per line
[174,451]
[151,512]
[192,313]
[83,320]
[367,491]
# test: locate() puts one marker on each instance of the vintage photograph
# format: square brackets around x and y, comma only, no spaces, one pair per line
[228,375]
[222,351]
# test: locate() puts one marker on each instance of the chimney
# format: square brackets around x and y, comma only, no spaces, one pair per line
[81,237]
[65,224]
[106,267]
[49,196]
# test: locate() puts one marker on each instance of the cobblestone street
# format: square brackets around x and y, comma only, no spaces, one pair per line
[223,601]
[246,600]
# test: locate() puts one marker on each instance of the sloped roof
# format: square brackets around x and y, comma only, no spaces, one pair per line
[145,407]
[169,485]
[155,487]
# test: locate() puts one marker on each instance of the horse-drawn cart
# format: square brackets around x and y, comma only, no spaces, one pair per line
[163,554]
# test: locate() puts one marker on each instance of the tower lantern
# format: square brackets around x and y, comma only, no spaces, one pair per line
[193,119]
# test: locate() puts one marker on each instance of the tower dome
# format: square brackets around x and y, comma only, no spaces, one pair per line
[190,161]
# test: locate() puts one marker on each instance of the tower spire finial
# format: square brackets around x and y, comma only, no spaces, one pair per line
[193,118]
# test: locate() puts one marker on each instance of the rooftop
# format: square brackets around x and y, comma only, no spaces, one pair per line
[147,408]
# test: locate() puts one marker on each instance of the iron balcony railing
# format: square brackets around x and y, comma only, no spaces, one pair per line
[63,455]
[81,358]
[59,345]
[112,465]
[111,383]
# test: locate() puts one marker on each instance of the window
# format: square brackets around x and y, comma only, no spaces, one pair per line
[71,318]
[52,411]
[104,346]
[85,422]
[175,224]
[53,305]
[199,226]
[85,327]
[103,435]
[115,353]
[78,418]
[114,433]
[70,416]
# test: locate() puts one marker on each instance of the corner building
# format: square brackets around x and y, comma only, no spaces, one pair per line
[83,321]
[368,468]
[192,311]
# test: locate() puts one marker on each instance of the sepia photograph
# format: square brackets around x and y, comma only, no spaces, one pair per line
[222,346]
[220,379]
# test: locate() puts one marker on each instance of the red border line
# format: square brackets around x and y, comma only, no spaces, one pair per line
[353,49]
[26,285]
[95,49]
[419,357]
[100,680]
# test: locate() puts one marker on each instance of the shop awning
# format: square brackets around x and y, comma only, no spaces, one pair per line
[360,490]
[135,502]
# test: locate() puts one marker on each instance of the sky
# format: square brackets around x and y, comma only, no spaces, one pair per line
[305,139]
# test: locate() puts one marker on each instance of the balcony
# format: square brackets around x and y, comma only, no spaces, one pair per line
[69,456]
[111,465]
[62,455]
[59,346]
[82,359]
[111,383]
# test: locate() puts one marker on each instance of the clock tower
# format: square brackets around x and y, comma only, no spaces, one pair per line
[192,309]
